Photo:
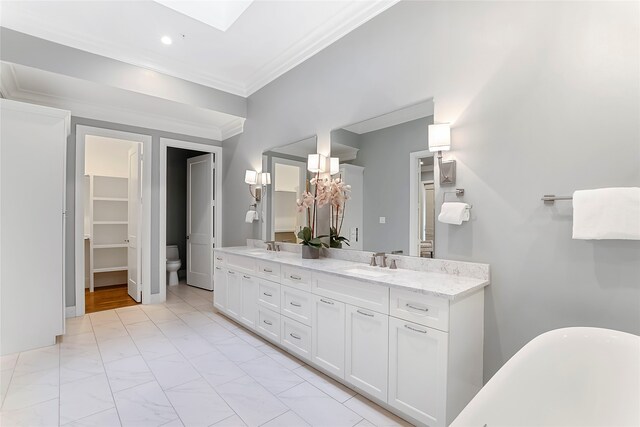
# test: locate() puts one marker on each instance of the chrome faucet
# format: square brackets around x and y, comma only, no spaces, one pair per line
[271,245]
[383,259]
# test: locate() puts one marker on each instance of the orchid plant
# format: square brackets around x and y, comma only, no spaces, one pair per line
[326,192]
[339,195]
[311,203]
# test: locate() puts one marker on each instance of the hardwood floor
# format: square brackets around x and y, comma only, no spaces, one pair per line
[107,298]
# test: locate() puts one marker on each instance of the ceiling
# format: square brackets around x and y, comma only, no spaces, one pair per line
[265,41]
[102,102]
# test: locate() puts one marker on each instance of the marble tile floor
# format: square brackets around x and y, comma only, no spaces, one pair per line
[172,364]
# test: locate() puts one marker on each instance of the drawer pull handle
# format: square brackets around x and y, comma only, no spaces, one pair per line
[266,294]
[246,277]
[366,314]
[415,330]
[218,258]
[267,270]
[326,302]
[416,308]
[295,277]
[218,268]
[268,323]
[295,336]
[295,304]
[232,272]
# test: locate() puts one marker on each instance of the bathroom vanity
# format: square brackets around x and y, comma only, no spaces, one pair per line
[410,339]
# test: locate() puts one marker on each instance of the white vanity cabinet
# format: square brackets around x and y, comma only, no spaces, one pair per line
[418,371]
[328,334]
[367,350]
[234,294]
[249,300]
[417,354]
[220,296]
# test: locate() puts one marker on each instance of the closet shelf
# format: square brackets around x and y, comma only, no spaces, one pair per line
[111,199]
[110,246]
[110,222]
[109,269]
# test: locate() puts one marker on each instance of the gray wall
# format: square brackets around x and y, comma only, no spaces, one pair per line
[177,199]
[542,97]
[155,195]
[384,154]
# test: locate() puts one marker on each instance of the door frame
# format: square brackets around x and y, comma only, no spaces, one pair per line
[267,206]
[82,131]
[414,196]
[162,204]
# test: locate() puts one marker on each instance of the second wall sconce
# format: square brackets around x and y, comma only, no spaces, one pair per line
[439,141]
[258,181]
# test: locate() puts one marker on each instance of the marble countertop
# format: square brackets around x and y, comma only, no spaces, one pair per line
[442,285]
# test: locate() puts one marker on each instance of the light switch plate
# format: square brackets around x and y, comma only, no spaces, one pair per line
[383,220]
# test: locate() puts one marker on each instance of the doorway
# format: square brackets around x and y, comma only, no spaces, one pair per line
[190,212]
[112,214]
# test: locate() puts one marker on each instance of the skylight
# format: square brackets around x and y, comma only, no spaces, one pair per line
[220,14]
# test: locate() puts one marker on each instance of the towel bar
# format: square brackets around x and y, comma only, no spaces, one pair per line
[549,199]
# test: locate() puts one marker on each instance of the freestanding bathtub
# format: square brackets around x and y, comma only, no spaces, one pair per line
[566,377]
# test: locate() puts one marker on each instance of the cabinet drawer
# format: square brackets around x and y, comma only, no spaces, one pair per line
[268,324]
[295,337]
[296,277]
[296,304]
[219,259]
[355,292]
[269,270]
[422,309]
[269,295]
[244,264]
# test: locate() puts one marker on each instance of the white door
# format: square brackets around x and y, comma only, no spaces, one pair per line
[418,371]
[200,211]
[327,348]
[367,350]
[133,225]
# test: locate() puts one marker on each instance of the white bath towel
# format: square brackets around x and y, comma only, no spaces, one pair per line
[607,213]
[251,216]
[454,213]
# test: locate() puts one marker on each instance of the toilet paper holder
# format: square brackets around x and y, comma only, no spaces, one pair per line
[459,192]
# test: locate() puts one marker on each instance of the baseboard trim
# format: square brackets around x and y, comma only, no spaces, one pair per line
[69,312]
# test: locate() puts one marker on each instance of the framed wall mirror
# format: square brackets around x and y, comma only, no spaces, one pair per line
[288,167]
[386,161]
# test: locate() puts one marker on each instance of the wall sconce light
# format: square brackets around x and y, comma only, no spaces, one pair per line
[439,141]
[259,180]
[334,165]
[316,163]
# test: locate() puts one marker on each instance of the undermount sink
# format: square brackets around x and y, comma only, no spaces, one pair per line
[369,271]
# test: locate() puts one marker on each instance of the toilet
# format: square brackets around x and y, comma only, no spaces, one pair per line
[173,265]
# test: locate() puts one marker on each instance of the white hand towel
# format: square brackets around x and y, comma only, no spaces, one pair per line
[607,213]
[454,213]
[251,216]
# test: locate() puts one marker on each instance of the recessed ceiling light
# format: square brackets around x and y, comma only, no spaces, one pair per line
[166,40]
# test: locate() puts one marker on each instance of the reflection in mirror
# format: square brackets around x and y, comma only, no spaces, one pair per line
[288,167]
[387,163]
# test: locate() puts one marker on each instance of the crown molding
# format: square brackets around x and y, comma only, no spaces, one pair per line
[233,128]
[325,35]
[346,21]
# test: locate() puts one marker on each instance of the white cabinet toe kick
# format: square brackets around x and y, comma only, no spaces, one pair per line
[418,355]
